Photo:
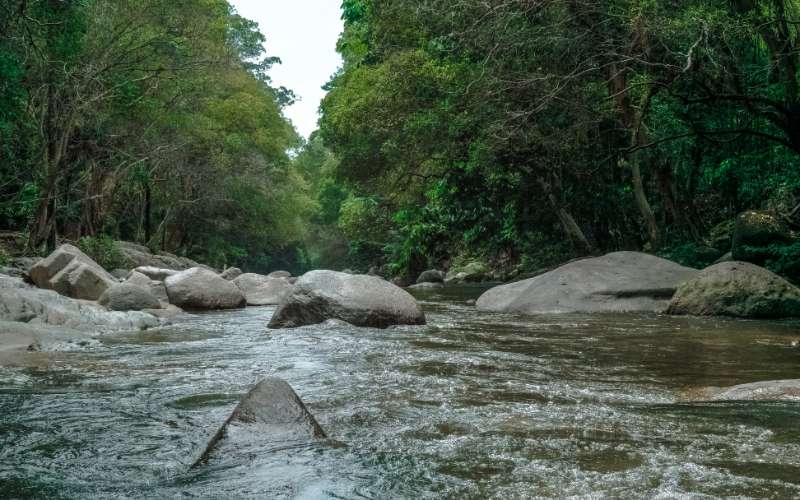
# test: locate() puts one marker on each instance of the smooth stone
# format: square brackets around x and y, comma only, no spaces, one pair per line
[262,290]
[129,297]
[157,288]
[360,300]
[279,274]
[231,273]
[199,288]
[617,282]
[431,276]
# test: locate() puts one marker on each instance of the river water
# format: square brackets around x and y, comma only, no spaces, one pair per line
[473,405]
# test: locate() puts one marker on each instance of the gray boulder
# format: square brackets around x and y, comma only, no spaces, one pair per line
[120,274]
[771,390]
[156,288]
[617,282]
[431,276]
[129,297]
[23,303]
[737,289]
[261,290]
[360,300]
[231,273]
[156,273]
[270,412]
[136,255]
[280,274]
[199,288]
[71,272]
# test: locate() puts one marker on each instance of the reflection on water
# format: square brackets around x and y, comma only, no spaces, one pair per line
[470,406]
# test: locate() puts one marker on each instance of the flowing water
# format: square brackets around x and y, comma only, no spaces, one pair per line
[471,406]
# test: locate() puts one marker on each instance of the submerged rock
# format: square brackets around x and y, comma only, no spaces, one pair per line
[771,390]
[431,276]
[71,272]
[231,273]
[359,299]
[199,288]
[20,302]
[737,289]
[262,290]
[617,282]
[129,297]
[270,412]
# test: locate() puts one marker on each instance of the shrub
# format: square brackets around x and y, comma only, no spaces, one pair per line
[102,250]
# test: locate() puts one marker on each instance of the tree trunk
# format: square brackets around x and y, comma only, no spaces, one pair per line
[571,228]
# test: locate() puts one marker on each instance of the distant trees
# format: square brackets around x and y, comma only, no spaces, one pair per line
[150,120]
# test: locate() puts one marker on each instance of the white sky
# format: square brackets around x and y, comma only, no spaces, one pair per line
[303,33]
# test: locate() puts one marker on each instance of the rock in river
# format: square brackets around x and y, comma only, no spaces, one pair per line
[129,297]
[617,282]
[71,272]
[262,290]
[358,299]
[431,276]
[771,390]
[737,289]
[199,288]
[270,412]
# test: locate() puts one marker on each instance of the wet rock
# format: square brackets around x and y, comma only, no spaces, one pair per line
[771,390]
[431,276]
[737,289]
[279,274]
[156,273]
[157,288]
[167,311]
[426,286]
[71,272]
[231,273]
[617,282]
[360,300]
[22,337]
[129,297]
[262,290]
[199,288]
[270,412]
[23,303]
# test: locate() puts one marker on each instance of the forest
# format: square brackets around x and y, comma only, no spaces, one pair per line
[511,135]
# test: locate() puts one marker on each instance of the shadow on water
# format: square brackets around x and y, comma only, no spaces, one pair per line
[471,406]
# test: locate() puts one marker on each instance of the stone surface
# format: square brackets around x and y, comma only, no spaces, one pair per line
[136,255]
[231,273]
[21,337]
[71,272]
[280,274]
[155,287]
[262,290]
[270,412]
[360,300]
[129,297]
[737,289]
[617,282]
[426,286]
[771,390]
[156,273]
[199,288]
[120,274]
[431,276]
[20,302]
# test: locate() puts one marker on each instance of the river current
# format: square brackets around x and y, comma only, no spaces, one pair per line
[472,405]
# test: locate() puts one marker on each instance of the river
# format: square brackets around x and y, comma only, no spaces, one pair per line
[472,405]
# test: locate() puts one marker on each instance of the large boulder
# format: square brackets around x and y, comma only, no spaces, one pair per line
[231,273]
[262,290]
[771,390]
[754,232]
[270,412]
[156,273]
[617,282]
[737,289]
[135,255]
[129,297]
[155,287]
[23,303]
[431,276]
[358,299]
[71,272]
[199,288]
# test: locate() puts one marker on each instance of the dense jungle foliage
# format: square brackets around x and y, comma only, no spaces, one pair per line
[516,134]
[526,132]
[146,120]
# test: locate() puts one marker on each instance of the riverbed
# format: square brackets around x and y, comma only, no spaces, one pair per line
[473,405]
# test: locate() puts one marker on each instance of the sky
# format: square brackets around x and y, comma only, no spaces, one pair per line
[303,33]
